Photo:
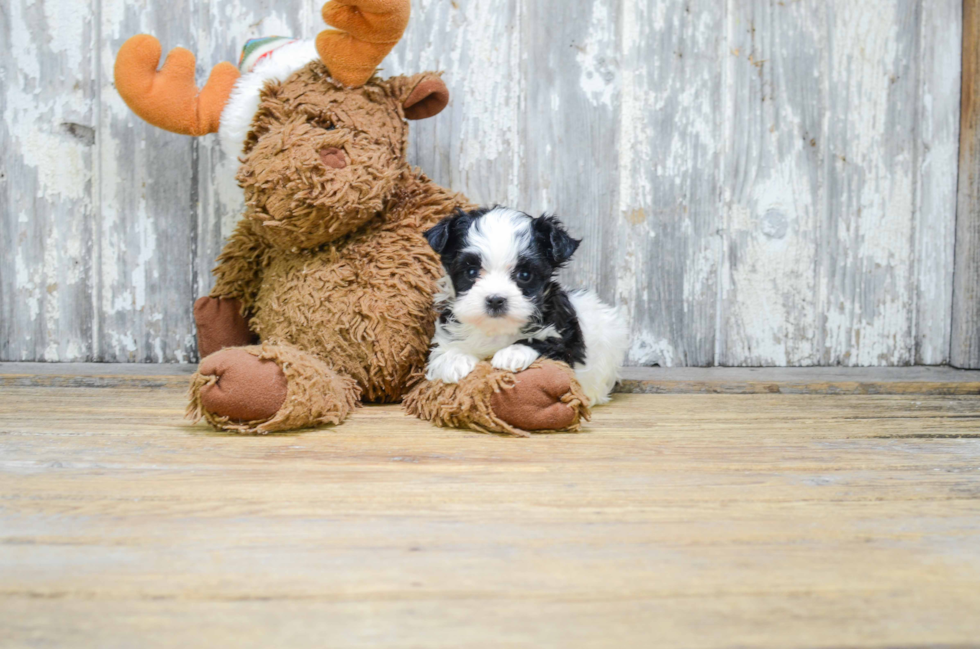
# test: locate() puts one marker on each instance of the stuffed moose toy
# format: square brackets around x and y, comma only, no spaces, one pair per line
[323,294]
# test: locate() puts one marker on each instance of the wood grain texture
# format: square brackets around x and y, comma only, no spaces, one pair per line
[965,347]
[757,183]
[937,145]
[148,195]
[572,69]
[869,161]
[476,144]
[635,380]
[790,380]
[698,520]
[48,181]
[667,247]
[844,123]
[774,113]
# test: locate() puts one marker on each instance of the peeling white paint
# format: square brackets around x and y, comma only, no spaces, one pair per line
[598,73]
[28,289]
[68,21]
[646,350]
[634,192]
[46,137]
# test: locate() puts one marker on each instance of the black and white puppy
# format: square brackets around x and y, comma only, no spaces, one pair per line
[500,300]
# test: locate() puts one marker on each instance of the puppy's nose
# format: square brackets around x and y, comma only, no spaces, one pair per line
[496,305]
[333,158]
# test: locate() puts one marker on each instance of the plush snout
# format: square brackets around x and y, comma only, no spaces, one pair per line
[308,185]
[333,157]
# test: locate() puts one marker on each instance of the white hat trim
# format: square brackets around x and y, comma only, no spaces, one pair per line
[237,116]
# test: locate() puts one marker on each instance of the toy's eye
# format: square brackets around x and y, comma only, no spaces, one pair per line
[324,123]
[524,276]
[472,272]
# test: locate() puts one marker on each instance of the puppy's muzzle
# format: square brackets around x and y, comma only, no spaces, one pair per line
[496,306]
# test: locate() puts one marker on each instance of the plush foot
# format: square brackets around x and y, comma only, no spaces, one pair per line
[535,402]
[220,324]
[268,388]
[546,397]
[242,387]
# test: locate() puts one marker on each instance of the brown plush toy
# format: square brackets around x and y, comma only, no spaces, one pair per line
[323,294]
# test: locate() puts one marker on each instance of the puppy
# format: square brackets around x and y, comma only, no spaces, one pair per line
[499,300]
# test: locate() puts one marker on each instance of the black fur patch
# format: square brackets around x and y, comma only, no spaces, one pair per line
[448,238]
[557,310]
[553,240]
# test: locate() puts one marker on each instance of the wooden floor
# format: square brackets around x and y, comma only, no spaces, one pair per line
[675,520]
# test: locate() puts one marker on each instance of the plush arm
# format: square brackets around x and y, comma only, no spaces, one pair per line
[241,264]
[545,397]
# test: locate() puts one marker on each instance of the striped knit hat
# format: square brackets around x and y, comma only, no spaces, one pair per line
[257,49]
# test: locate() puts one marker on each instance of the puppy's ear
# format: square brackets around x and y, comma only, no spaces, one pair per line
[438,236]
[447,234]
[554,240]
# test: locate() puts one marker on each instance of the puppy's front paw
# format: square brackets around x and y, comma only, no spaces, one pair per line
[451,368]
[514,358]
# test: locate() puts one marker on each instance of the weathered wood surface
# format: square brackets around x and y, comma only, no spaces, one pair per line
[965,350]
[758,183]
[636,380]
[681,520]
[798,380]
[832,130]
[49,194]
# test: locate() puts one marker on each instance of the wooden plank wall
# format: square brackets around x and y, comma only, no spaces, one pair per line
[965,350]
[757,182]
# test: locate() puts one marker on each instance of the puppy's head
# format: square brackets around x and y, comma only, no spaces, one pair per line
[501,263]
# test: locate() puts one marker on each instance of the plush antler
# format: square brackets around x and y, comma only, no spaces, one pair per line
[170,98]
[366,30]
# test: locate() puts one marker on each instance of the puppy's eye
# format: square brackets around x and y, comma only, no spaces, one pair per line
[472,272]
[524,276]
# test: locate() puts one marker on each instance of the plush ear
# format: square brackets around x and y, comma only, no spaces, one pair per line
[551,235]
[422,96]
